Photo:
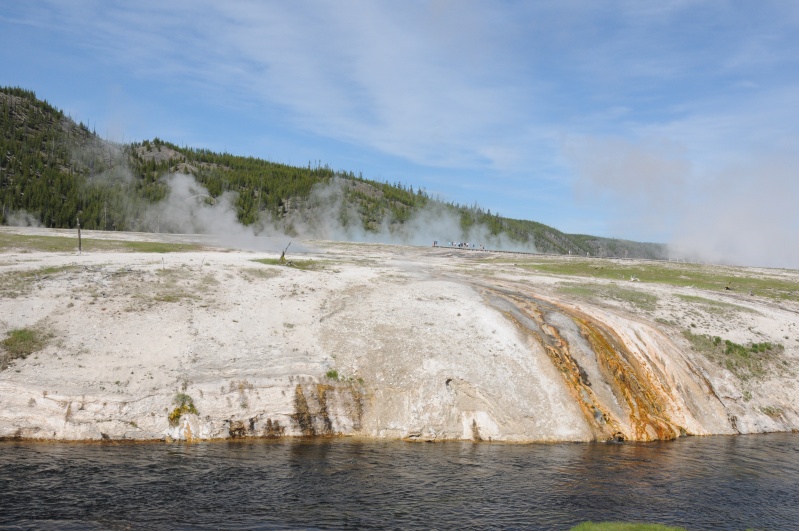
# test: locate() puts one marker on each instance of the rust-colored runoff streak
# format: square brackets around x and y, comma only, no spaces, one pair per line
[307,417]
[628,380]
[357,399]
[313,403]
[321,393]
[273,429]
[187,432]
[557,348]
[647,416]
[302,415]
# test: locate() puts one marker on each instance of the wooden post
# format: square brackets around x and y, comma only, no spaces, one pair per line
[79,242]
[283,254]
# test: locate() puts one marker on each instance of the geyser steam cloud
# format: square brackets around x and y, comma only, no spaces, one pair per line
[744,213]
[325,214]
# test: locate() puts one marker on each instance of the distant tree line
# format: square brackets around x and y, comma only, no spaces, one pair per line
[57,171]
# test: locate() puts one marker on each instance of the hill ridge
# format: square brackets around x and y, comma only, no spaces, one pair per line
[54,170]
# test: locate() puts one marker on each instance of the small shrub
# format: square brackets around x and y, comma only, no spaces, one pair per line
[185,404]
[735,349]
[332,374]
[745,361]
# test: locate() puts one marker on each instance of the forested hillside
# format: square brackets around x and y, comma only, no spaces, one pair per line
[54,171]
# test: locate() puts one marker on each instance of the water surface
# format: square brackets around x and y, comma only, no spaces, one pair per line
[700,483]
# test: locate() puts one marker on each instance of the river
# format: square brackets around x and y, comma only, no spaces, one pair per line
[697,482]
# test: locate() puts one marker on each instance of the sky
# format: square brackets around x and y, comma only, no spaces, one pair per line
[674,121]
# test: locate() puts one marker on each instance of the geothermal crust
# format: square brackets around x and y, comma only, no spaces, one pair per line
[375,341]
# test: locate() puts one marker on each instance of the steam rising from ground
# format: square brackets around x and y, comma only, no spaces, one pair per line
[325,215]
[21,218]
[744,213]
[189,209]
[328,216]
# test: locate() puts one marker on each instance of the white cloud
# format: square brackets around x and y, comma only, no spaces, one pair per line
[426,82]
[654,100]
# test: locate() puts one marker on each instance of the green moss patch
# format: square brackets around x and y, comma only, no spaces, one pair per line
[596,292]
[305,265]
[184,405]
[771,284]
[745,361]
[56,244]
[20,343]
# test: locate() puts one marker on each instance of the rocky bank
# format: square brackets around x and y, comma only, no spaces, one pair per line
[389,342]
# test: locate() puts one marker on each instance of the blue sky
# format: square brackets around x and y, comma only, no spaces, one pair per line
[673,121]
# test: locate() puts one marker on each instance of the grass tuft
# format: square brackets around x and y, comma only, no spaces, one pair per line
[772,411]
[744,361]
[15,284]
[305,265]
[636,298]
[21,343]
[55,244]
[771,284]
[724,309]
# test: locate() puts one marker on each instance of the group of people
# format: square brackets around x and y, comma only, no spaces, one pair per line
[461,245]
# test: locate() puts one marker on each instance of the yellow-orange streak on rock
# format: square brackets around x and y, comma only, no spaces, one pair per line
[557,348]
[628,379]
[640,394]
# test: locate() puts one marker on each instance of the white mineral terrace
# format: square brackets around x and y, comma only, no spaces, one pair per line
[377,341]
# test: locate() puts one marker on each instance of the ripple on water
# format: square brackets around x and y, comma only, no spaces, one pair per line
[700,483]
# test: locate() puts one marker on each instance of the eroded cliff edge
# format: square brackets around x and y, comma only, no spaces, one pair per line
[385,341]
